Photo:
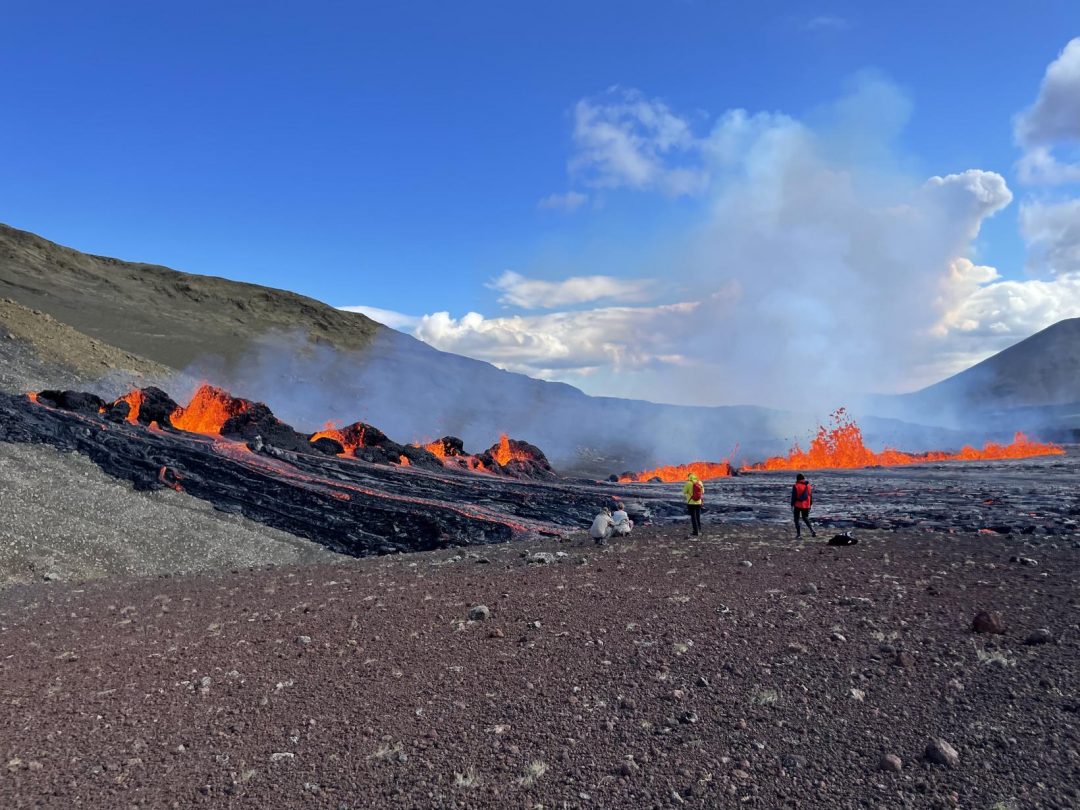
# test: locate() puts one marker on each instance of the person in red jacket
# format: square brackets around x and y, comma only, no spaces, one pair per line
[802,498]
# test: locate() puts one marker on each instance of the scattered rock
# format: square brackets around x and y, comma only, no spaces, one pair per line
[746,564]
[1024,561]
[303,641]
[941,752]
[50,576]
[891,763]
[479,613]
[793,762]
[838,637]
[540,558]
[987,622]
[904,660]
[1040,636]
[282,756]
[808,588]
[496,633]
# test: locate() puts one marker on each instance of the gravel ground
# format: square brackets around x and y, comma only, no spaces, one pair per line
[62,517]
[738,671]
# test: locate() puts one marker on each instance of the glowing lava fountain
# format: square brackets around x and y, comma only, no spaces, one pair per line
[841,446]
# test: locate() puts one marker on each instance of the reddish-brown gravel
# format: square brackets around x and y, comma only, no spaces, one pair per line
[656,672]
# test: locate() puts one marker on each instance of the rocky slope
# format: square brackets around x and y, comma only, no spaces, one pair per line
[739,671]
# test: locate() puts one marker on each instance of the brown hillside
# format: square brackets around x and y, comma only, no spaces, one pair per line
[160,314]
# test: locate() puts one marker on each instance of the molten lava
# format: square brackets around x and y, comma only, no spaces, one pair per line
[841,446]
[437,449]
[134,399]
[210,408]
[350,438]
[704,470]
[504,453]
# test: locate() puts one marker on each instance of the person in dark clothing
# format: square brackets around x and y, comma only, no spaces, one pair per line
[802,498]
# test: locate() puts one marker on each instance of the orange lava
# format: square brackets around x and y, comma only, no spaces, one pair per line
[350,438]
[134,399]
[404,461]
[210,408]
[437,449]
[32,396]
[704,470]
[504,454]
[841,446]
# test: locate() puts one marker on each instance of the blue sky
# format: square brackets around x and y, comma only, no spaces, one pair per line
[398,155]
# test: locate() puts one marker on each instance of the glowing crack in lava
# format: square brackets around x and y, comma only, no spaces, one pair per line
[841,446]
[705,470]
[210,408]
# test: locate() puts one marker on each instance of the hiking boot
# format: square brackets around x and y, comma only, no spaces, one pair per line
[813,533]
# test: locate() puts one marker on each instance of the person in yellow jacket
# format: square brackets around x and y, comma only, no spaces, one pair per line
[694,492]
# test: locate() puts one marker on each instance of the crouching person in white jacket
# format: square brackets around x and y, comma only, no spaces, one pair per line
[621,522]
[601,527]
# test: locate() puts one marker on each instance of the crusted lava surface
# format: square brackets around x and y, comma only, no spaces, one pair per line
[742,670]
[267,471]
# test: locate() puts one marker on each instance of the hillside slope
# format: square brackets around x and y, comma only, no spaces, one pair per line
[163,315]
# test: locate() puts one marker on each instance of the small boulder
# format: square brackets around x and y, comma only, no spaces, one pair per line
[1040,636]
[891,763]
[987,622]
[904,660]
[303,641]
[479,613]
[941,752]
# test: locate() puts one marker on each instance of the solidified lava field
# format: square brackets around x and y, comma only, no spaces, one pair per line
[742,670]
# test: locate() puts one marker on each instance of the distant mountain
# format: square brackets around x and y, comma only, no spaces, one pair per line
[313,363]
[1034,384]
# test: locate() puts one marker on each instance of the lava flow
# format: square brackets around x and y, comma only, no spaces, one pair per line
[705,470]
[208,411]
[841,446]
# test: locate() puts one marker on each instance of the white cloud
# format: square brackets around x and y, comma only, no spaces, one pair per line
[1052,121]
[624,140]
[1052,232]
[988,314]
[565,343]
[1055,115]
[530,293]
[1039,166]
[570,201]
[387,317]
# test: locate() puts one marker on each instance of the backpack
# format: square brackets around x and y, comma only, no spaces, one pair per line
[698,491]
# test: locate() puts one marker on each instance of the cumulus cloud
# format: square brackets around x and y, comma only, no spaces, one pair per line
[570,201]
[387,317]
[1055,115]
[561,343]
[1052,232]
[531,293]
[1053,121]
[625,140]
